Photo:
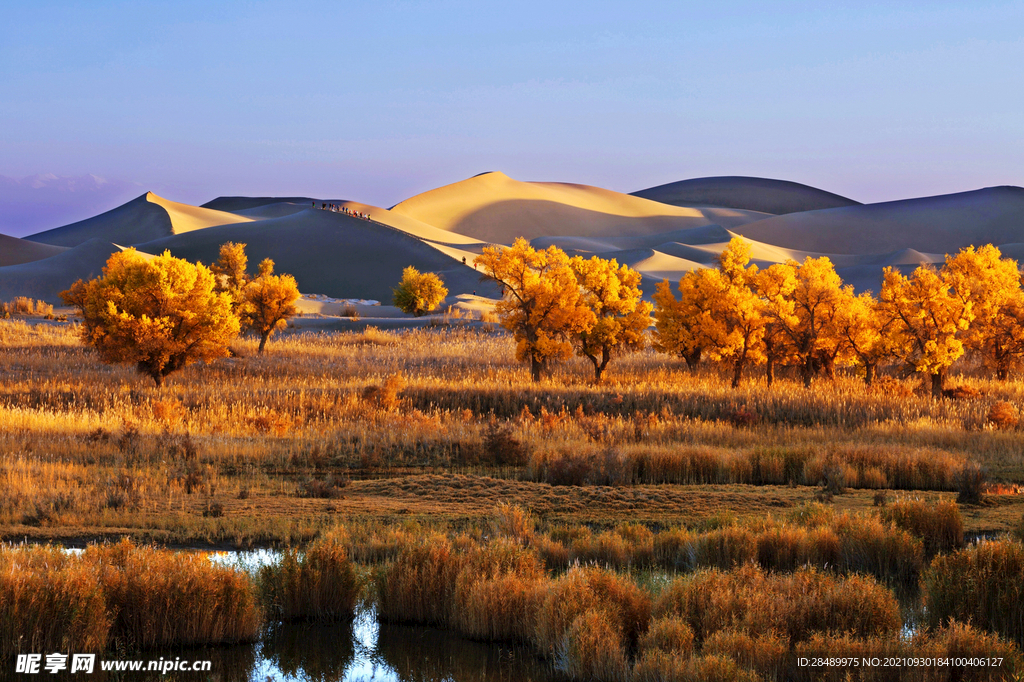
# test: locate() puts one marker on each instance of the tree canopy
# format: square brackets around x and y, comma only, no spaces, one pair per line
[159,314]
[419,293]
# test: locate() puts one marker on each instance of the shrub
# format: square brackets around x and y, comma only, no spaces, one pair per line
[502,447]
[669,634]
[1002,415]
[327,488]
[970,484]
[981,584]
[418,293]
[766,653]
[387,395]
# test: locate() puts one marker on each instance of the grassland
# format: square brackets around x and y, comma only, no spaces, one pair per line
[272,449]
[424,473]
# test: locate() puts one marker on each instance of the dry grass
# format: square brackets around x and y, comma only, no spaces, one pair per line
[793,605]
[938,523]
[325,405]
[319,584]
[123,595]
[982,584]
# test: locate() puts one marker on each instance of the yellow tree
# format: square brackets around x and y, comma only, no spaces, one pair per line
[230,271]
[613,293]
[543,305]
[717,313]
[269,302]
[687,326]
[158,314]
[925,320]
[802,301]
[418,293]
[991,285]
[862,328]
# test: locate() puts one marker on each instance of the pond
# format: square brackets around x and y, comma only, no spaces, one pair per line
[352,652]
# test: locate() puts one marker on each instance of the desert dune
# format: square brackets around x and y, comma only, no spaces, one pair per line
[14,251]
[493,207]
[765,195]
[328,253]
[45,279]
[142,219]
[940,224]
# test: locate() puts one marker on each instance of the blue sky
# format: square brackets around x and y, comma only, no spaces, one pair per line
[378,101]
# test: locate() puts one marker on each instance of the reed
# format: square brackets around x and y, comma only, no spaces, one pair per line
[795,605]
[593,649]
[982,584]
[319,583]
[49,604]
[938,523]
[159,598]
[766,653]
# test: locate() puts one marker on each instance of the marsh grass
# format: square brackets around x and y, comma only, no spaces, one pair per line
[320,583]
[982,584]
[123,595]
[937,522]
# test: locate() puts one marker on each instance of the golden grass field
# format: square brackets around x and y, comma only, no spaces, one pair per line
[659,525]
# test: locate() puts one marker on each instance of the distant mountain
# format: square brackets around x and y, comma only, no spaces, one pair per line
[39,202]
[765,195]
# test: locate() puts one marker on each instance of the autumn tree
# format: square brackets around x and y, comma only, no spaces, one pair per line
[802,301]
[230,271]
[159,314]
[613,293]
[862,327]
[925,320]
[991,285]
[687,326]
[718,313]
[543,305]
[269,301]
[418,293]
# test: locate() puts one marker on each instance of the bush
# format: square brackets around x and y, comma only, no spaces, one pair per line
[982,585]
[970,484]
[1002,415]
[502,447]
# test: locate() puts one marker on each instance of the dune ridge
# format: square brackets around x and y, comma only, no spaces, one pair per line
[765,195]
[14,251]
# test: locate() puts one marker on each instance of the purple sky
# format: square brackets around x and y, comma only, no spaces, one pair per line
[378,101]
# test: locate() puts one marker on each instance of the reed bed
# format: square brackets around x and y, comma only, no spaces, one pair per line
[982,584]
[123,595]
[938,523]
[795,605]
[318,584]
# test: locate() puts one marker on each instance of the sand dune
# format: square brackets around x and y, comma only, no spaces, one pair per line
[754,194]
[14,251]
[329,253]
[495,208]
[142,219]
[941,224]
[45,279]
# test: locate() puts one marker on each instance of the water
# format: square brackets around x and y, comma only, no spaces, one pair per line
[364,650]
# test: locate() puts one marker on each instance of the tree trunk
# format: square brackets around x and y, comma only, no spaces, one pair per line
[693,358]
[737,371]
[807,371]
[869,372]
[158,378]
[1002,373]
[599,367]
[937,380]
[536,367]
[263,342]
[769,371]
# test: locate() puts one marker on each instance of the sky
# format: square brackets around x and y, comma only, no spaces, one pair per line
[377,101]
